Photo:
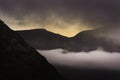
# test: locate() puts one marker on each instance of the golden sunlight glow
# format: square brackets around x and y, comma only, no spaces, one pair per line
[53,24]
[68,31]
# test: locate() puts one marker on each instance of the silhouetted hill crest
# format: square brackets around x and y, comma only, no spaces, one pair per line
[83,41]
[19,61]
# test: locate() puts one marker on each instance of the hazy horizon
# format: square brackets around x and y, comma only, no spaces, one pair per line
[65,17]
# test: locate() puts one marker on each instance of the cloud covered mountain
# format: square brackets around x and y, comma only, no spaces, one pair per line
[19,61]
[84,41]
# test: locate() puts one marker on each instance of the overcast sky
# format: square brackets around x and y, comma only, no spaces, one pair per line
[58,15]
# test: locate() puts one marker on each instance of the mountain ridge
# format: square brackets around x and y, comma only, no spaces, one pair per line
[19,61]
[46,39]
[88,40]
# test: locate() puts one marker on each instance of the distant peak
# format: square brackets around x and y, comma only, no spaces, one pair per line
[39,30]
[42,29]
[84,33]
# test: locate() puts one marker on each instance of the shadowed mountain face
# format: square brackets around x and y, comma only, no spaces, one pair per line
[88,41]
[84,41]
[89,74]
[18,61]
[43,39]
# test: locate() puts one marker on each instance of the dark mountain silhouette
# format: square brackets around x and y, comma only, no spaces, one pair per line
[83,41]
[19,61]
[89,74]
[43,39]
[88,41]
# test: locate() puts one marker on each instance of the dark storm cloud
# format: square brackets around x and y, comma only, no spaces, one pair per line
[103,12]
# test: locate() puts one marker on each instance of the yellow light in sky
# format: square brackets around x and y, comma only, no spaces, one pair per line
[68,31]
[55,25]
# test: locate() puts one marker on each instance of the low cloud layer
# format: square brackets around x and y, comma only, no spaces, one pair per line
[97,59]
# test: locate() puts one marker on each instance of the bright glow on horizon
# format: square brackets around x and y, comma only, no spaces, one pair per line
[53,24]
[69,32]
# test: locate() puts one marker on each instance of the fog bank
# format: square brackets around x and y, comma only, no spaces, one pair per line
[97,59]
